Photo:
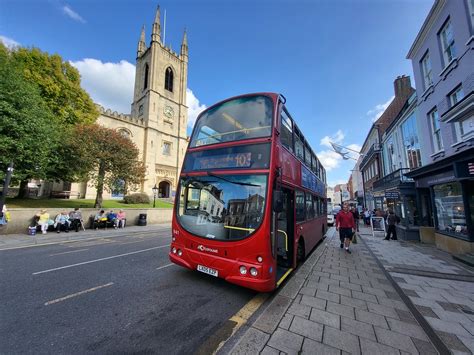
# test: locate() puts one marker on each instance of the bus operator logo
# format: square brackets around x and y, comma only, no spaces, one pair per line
[203,248]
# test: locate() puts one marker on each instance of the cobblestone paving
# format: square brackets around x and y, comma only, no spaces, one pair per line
[447,304]
[343,304]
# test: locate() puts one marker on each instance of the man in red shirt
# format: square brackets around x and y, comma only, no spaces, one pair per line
[345,224]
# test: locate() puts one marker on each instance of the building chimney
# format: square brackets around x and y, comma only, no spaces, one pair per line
[402,86]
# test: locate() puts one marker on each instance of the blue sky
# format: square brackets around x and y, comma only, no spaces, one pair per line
[335,61]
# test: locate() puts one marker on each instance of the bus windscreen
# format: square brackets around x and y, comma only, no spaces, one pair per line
[222,207]
[237,119]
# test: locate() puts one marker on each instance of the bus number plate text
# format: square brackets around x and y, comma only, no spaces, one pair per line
[207,270]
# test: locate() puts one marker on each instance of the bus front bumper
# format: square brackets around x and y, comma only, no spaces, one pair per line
[227,273]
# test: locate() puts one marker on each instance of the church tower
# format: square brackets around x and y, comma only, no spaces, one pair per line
[159,101]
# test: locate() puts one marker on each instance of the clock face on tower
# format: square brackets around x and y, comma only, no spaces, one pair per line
[168,111]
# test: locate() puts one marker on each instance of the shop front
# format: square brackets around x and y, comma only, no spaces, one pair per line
[445,194]
[396,192]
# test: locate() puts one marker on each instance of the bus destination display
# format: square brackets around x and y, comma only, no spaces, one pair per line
[225,161]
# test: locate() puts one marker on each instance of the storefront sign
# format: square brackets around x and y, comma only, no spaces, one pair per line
[464,169]
[435,179]
[394,195]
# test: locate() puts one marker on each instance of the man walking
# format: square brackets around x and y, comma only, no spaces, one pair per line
[392,219]
[345,224]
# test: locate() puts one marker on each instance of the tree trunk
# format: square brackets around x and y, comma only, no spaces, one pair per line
[100,187]
[23,191]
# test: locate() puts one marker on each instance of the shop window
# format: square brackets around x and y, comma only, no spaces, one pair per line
[450,208]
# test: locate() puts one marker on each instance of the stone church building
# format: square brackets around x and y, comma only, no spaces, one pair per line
[158,119]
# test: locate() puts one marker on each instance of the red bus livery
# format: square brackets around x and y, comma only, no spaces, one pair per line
[251,199]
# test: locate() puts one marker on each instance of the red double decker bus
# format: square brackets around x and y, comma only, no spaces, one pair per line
[251,199]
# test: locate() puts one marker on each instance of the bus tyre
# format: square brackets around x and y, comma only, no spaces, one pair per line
[300,252]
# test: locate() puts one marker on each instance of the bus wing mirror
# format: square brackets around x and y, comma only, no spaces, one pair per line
[277,201]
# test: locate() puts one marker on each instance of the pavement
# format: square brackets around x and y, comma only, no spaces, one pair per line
[14,241]
[387,297]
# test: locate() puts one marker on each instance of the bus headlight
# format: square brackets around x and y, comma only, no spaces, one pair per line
[173,250]
[253,271]
[243,270]
[259,259]
[180,252]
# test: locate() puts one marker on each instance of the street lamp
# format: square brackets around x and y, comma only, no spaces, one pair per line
[155,193]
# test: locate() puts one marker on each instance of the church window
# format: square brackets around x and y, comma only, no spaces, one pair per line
[140,110]
[125,133]
[169,79]
[145,79]
[166,148]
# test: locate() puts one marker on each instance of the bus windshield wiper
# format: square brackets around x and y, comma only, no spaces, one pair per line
[232,182]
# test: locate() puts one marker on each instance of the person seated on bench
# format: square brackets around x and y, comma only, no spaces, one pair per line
[112,218]
[76,219]
[121,218]
[43,220]
[62,222]
[100,220]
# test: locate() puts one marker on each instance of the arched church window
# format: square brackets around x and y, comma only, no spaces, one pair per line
[169,79]
[145,79]
[125,133]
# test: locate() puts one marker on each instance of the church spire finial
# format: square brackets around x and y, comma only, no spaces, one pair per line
[184,44]
[141,43]
[156,32]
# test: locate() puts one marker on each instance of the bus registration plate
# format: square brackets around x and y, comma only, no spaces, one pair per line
[207,270]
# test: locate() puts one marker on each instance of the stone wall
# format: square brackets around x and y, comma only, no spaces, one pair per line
[21,218]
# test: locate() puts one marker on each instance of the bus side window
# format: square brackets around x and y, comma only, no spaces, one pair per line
[286,128]
[317,211]
[299,147]
[309,206]
[300,206]
[307,154]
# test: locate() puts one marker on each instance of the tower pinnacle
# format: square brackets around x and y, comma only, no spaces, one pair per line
[184,45]
[156,32]
[141,43]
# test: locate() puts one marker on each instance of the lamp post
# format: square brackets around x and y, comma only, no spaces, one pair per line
[6,183]
[155,193]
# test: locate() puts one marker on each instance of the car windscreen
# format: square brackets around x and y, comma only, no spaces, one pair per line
[222,207]
[238,119]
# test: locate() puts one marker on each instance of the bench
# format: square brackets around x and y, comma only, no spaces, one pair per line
[60,194]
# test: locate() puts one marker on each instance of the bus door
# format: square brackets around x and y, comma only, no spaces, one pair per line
[285,236]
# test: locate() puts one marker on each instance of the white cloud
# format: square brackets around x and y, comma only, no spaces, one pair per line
[8,42]
[194,107]
[330,159]
[72,14]
[109,84]
[336,138]
[378,110]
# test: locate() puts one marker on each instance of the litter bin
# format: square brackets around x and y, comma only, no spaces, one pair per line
[142,219]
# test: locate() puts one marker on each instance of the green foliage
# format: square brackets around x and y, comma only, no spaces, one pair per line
[59,83]
[40,100]
[140,197]
[27,130]
[103,156]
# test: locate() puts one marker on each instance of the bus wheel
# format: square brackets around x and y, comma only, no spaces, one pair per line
[300,252]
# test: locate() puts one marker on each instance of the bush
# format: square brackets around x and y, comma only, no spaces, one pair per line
[140,197]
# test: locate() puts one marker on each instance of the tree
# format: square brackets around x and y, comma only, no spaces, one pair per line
[63,104]
[104,156]
[27,126]
[59,83]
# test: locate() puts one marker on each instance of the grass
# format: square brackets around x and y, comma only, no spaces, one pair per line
[66,203]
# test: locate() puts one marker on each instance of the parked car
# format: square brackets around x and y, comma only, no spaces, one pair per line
[331,219]
[332,215]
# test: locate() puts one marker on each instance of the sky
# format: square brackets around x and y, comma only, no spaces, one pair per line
[334,60]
